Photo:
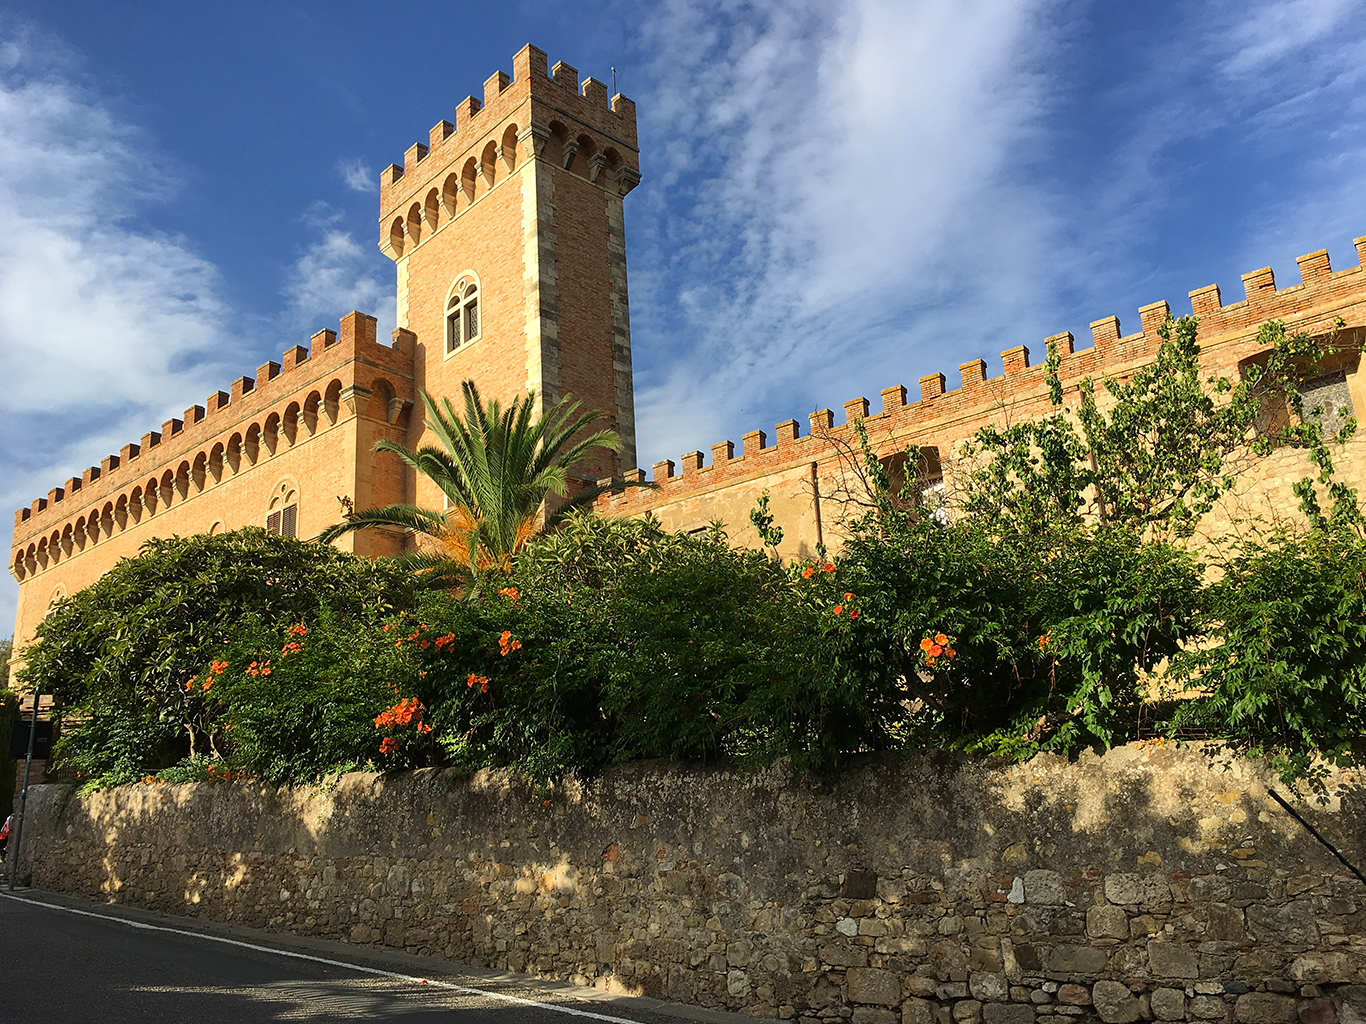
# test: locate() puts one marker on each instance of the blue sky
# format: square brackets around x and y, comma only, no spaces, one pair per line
[837,196]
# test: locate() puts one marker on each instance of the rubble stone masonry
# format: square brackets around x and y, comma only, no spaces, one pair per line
[1151,883]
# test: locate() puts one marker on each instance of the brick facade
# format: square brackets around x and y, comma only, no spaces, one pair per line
[302,426]
[525,195]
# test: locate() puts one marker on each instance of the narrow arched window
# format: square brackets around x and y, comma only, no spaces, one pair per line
[283,517]
[462,313]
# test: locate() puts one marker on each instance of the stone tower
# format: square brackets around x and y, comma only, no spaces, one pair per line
[508,236]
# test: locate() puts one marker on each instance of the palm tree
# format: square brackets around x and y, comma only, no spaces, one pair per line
[496,467]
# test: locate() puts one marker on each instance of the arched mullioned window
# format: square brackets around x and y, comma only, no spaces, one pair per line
[462,312]
[282,517]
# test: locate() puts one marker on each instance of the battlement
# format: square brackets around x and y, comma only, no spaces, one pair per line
[943,415]
[299,371]
[537,113]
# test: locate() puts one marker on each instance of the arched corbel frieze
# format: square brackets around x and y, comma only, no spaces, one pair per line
[627,179]
[533,139]
[353,394]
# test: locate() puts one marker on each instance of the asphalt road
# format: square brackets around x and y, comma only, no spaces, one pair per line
[63,962]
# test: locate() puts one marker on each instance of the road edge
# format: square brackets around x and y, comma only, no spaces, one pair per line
[505,983]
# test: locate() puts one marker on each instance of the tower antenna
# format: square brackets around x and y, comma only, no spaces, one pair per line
[614,81]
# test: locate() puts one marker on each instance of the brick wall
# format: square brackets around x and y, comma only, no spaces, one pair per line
[308,422]
[1152,882]
[940,417]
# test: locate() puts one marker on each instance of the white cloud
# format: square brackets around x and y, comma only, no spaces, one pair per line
[840,198]
[847,181]
[335,274]
[1293,71]
[100,319]
[358,177]
[83,290]
[1261,35]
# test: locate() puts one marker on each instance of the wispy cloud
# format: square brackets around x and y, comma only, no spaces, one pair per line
[833,191]
[334,274]
[1262,35]
[839,198]
[1292,74]
[358,177]
[101,320]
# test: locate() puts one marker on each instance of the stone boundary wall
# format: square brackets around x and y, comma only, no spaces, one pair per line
[1151,883]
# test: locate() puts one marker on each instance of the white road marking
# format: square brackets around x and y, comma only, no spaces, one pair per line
[429,982]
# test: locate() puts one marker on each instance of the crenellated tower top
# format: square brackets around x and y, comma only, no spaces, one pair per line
[536,113]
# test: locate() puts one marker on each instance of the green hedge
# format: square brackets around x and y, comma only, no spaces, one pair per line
[1030,614]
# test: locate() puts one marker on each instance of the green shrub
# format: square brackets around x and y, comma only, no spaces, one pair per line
[1050,644]
[293,702]
[1284,673]
[704,637]
[634,643]
[508,680]
[118,654]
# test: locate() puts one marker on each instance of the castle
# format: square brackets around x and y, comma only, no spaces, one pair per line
[506,229]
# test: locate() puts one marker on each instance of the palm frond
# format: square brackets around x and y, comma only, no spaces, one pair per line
[435,571]
[406,517]
[495,464]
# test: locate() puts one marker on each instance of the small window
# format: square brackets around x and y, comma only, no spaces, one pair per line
[285,522]
[472,318]
[926,488]
[462,314]
[1328,400]
[283,517]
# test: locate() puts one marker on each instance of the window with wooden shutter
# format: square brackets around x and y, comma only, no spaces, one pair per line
[453,330]
[289,521]
[273,523]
